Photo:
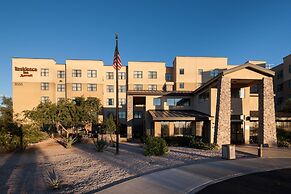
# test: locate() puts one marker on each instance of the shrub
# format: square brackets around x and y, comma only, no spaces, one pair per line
[32,134]
[53,179]
[183,141]
[70,141]
[155,146]
[100,145]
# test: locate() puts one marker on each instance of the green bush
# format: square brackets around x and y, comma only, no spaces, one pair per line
[155,146]
[10,139]
[100,145]
[183,141]
[32,134]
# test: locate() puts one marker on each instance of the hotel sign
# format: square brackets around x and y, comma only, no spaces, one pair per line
[26,71]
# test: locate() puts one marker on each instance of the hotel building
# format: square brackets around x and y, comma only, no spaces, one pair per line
[282,83]
[202,96]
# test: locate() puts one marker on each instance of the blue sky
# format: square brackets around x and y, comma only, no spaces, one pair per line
[149,30]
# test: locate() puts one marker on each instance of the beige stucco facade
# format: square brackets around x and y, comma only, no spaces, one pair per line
[157,100]
[282,83]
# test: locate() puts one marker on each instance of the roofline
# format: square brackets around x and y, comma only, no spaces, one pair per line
[146,61]
[33,58]
[223,57]
[225,72]
[264,70]
[287,56]
[84,60]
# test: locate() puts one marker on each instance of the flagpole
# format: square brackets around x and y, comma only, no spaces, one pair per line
[117,102]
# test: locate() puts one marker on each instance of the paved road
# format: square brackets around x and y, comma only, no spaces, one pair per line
[193,178]
[277,181]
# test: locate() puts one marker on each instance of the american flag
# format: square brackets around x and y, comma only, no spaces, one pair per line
[117,61]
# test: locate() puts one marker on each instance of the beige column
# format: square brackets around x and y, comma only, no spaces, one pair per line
[171,128]
[129,116]
[157,129]
[222,116]
[211,127]
[246,131]
[267,123]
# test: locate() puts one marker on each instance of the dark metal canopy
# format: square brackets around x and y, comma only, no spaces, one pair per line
[178,115]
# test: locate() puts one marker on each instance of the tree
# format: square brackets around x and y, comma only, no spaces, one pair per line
[6,111]
[66,113]
[110,126]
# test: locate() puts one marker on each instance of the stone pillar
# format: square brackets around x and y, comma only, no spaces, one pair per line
[157,129]
[171,128]
[129,116]
[222,116]
[267,123]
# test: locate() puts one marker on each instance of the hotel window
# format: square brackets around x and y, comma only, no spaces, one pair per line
[214,73]
[137,74]
[137,87]
[122,89]
[180,102]
[152,87]
[237,92]
[61,87]
[61,74]
[182,128]
[181,85]
[60,99]
[44,99]
[169,77]
[92,87]
[157,101]
[280,74]
[109,75]
[165,128]
[110,88]
[76,73]
[137,115]
[110,102]
[44,72]
[121,101]
[203,97]
[44,86]
[200,72]
[152,75]
[121,75]
[92,73]
[181,71]
[121,114]
[76,87]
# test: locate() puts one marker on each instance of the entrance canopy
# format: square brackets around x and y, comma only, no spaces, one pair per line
[178,115]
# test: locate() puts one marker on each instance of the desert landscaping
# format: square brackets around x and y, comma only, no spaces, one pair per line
[82,169]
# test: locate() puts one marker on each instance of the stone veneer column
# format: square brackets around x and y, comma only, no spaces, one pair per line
[222,116]
[267,123]
[129,116]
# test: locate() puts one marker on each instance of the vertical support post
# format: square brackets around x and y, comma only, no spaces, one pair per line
[267,123]
[223,108]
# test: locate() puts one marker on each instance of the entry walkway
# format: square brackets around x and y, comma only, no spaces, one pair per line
[192,178]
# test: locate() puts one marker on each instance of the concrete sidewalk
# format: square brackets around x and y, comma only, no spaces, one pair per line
[192,178]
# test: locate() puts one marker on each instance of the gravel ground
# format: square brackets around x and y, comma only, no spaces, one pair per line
[82,169]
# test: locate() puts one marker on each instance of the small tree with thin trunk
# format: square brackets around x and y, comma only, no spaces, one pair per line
[110,127]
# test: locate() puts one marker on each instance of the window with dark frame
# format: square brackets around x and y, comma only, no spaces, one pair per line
[76,73]
[137,74]
[44,86]
[61,87]
[44,72]
[76,87]
[92,87]
[109,75]
[92,73]
[152,75]
[61,74]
